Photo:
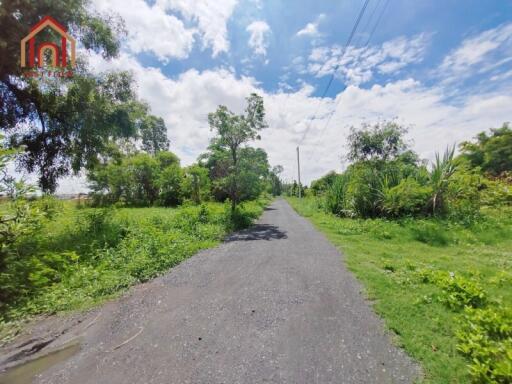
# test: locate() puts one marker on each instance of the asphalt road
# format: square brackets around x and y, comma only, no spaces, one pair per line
[273,304]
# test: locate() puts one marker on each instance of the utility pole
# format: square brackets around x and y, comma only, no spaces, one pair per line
[298,171]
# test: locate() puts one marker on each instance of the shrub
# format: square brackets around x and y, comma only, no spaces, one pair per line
[363,190]
[334,198]
[460,292]
[485,338]
[463,196]
[496,193]
[408,198]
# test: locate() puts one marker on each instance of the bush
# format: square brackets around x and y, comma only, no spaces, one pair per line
[363,191]
[334,198]
[484,333]
[496,193]
[485,338]
[463,196]
[460,292]
[408,198]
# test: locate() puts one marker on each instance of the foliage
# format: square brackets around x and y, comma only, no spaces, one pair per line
[322,185]
[496,192]
[398,184]
[334,198]
[276,185]
[491,153]
[442,170]
[458,292]
[485,338]
[138,179]
[232,131]
[252,176]
[382,141]
[406,198]
[84,255]
[196,183]
[46,115]
[154,135]
[431,233]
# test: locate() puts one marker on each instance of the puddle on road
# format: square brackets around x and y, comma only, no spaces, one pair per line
[24,373]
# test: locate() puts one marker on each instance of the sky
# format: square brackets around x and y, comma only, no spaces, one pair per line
[442,68]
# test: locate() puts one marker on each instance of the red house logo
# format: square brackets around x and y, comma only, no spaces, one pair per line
[59,55]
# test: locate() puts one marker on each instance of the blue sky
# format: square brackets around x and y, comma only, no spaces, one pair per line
[443,68]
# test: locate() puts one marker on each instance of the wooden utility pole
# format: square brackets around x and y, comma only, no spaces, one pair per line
[298,172]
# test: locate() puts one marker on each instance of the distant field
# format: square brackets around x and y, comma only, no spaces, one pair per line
[419,271]
[84,255]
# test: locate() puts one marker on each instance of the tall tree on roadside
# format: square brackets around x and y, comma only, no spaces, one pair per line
[234,130]
[64,124]
[154,135]
[275,180]
[378,142]
[492,153]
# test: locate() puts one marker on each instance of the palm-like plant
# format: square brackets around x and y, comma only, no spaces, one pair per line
[442,170]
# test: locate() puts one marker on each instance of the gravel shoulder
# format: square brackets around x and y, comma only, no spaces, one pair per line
[272,304]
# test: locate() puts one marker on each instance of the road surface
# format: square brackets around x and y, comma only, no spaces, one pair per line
[272,304]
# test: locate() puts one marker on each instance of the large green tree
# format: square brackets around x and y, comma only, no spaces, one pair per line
[491,152]
[65,124]
[381,141]
[252,172]
[138,179]
[232,131]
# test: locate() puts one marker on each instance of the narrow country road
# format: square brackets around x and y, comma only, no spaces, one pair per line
[273,304]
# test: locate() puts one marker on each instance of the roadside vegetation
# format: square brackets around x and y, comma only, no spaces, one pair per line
[432,244]
[70,256]
[145,214]
[145,211]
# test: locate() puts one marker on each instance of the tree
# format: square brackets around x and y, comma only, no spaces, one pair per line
[276,184]
[252,175]
[138,179]
[154,135]
[196,183]
[234,130]
[64,124]
[492,153]
[322,184]
[379,142]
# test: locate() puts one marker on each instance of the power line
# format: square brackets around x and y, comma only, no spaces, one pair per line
[377,23]
[331,79]
[366,44]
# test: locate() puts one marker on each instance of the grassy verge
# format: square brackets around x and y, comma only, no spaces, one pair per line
[423,276]
[82,256]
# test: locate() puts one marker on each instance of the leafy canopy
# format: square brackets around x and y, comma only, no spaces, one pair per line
[65,124]
[381,141]
[492,153]
[232,131]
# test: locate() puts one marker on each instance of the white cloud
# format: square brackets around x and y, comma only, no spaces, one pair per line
[153,28]
[485,52]
[358,65]
[211,18]
[184,103]
[435,122]
[311,29]
[258,40]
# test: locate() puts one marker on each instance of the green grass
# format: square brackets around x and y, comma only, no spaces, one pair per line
[389,258]
[82,256]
